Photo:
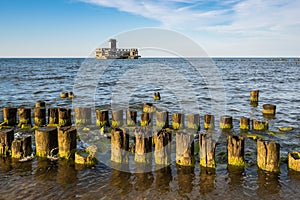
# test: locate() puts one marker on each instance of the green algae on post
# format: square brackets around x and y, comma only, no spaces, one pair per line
[67,141]
[6,139]
[143,145]
[149,107]
[24,116]
[119,145]
[86,157]
[245,124]
[102,118]
[9,116]
[162,119]
[226,122]
[21,147]
[131,116]
[64,117]
[83,116]
[269,109]
[259,125]
[39,116]
[185,149]
[45,140]
[294,161]
[268,155]
[53,116]
[209,121]
[145,119]
[194,121]
[162,141]
[117,118]
[235,150]
[207,150]
[177,121]
[254,95]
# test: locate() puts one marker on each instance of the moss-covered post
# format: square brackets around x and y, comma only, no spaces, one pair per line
[162,141]
[185,149]
[254,96]
[177,121]
[269,110]
[6,139]
[149,107]
[119,145]
[86,157]
[226,122]
[53,116]
[117,118]
[207,150]
[83,116]
[268,155]
[145,119]
[67,141]
[131,116]
[235,150]
[162,119]
[194,121]
[10,116]
[64,117]
[102,118]
[40,104]
[259,125]
[209,121]
[143,145]
[21,148]
[294,161]
[24,117]
[45,140]
[245,124]
[39,114]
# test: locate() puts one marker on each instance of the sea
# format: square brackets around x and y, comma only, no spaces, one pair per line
[218,86]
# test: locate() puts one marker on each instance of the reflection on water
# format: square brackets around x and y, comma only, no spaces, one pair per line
[207,180]
[268,183]
[185,177]
[163,177]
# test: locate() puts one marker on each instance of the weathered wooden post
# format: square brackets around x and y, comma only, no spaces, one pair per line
[67,136]
[145,119]
[162,141]
[64,117]
[45,140]
[185,149]
[254,96]
[245,124]
[71,95]
[40,104]
[117,118]
[209,121]
[207,150]
[131,116]
[39,114]
[162,119]
[6,139]
[149,107]
[194,121]
[294,161]
[143,145]
[83,116]
[64,95]
[269,110]
[177,121]
[268,155]
[24,117]
[53,116]
[86,157]
[10,116]
[235,150]
[21,148]
[119,145]
[102,118]
[259,125]
[226,122]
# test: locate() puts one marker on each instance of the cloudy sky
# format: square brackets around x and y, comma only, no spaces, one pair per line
[74,28]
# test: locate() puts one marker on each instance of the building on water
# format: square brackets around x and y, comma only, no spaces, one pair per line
[114,53]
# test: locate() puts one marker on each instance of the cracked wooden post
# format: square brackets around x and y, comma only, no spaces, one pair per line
[117,118]
[185,149]
[64,117]
[235,150]
[245,124]
[269,110]
[24,117]
[254,96]
[294,161]
[119,145]
[39,116]
[162,119]
[83,116]
[6,139]
[162,141]
[131,116]
[149,107]
[259,125]
[53,116]
[268,155]
[10,116]
[194,121]
[145,119]
[21,147]
[67,141]
[207,150]
[177,121]
[45,140]
[102,118]
[226,122]
[209,121]
[143,145]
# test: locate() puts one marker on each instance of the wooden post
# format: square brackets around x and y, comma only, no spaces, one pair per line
[67,137]
[259,125]
[226,122]
[143,145]
[45,140]
[209,121]
[39,114]
[162,119]
[131,116]
[64,95]
[40,104]
[162,141]
[102,118]
[145,119]
[254,95]
[86,157]
[6,139]
[83,116]
[177,121]
[185,149]
[64,117]
[149,107]
[52,116]
[117,118]
[10,116]
[268,155]
[235,150]
[207,150]
[70,95]
[245,124]
[24,117]
[119,145]
[21,148]
[194,121]
[269,109]
[294,161]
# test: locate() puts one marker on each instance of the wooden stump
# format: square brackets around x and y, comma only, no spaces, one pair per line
[235,150]
[131,116]
[71,95]
[185,149]
[209,121]
[119,145]
[149,107]
[143,145]
[259,125]
[45,140]
[83,116]
[294,161]
[6,139]
[254,95]
[162,119]
[40,104]
[145,119]
[226,122]
[102,118]
[156,96]
[39,114]
[67,141]
[162,141]
[194,121]
[21,148]
[24,116]
[64,117]
[245,123]
[64,95]
[53,116]
[86,157]
[10,116]
[177,121]
[268,155]
[117,118]
[207,150]
[269,109]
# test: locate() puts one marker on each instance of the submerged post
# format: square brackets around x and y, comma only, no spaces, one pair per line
[45,140]
[67,137]
[268,155]
[162,141]
[235,150]
[269,110]
[185,149]
[259,125]
[119,145]
[207,150]
[83,116]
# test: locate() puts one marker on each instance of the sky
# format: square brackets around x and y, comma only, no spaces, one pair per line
[222,28]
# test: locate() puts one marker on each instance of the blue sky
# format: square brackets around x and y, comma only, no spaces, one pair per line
[74,28]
